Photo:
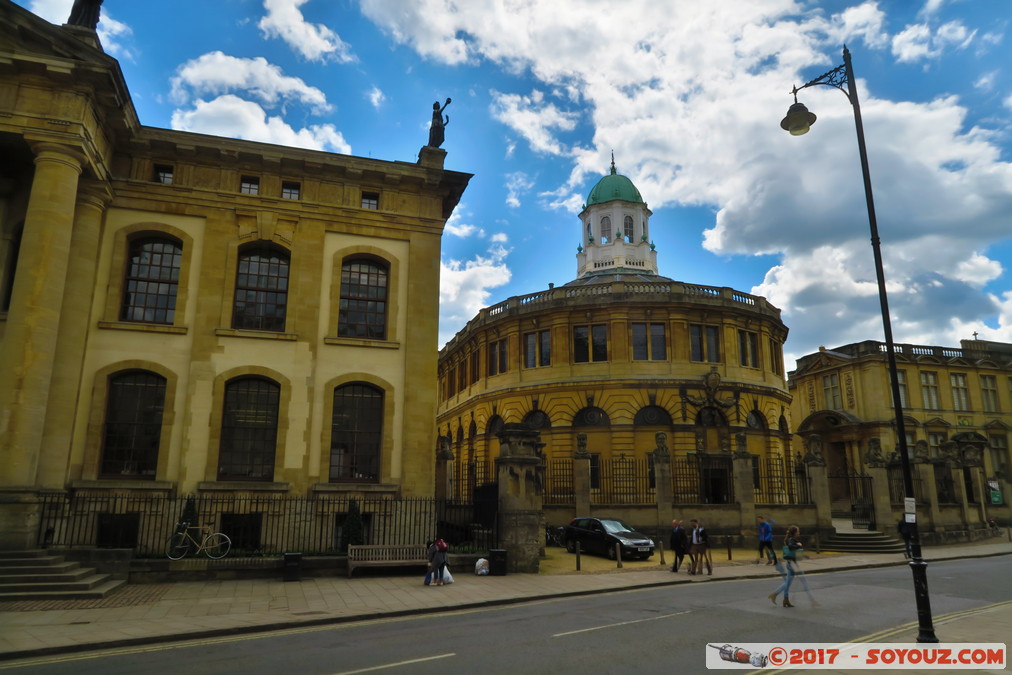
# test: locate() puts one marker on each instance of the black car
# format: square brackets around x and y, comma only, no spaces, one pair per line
[599,535]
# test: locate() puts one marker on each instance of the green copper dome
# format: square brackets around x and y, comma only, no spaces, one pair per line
[614,187]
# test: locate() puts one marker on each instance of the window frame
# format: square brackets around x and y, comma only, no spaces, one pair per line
[163,174]
[291,189]
[832,397]
[537,349]
[360,299]
[249,185]
[704,340]
[498,357]
[748,348]
[929,390]
[370,200]
[150,431]
[161,312]
[989,394]
[263,321]
[373,435]
[594,343]
[959,384]
[649,345]
[233,433]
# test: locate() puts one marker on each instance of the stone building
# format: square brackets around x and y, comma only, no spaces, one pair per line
[957,412]
[184,313]
[619,365]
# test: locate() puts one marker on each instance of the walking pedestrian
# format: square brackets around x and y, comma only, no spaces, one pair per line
[699,541]
[792,546]
[903,527]
[679,543]
[766,540]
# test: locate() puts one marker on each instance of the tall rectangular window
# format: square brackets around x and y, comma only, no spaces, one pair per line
[649,342]
[462,376]
[935,440]
[590,343]
[704,343]
[748,348]
[290,189]
[929,390]
[901,379]
[249,429]
[163,174]
[356,433]
[475,365]
[537,349]
[960,392]
[776,357]
[831,392]
[133,425]
[261,289]
[989,393]
[498,358]
[249,185]
[152,281]
[363,306]
[999,453]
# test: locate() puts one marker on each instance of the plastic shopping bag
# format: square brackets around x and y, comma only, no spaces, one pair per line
[447,577]
[481,567]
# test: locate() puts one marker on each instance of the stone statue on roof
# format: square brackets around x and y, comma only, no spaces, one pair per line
[436,134]
[85,13]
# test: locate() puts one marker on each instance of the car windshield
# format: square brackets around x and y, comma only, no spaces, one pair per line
[614,526]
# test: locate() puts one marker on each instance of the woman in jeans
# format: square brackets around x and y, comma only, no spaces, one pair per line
[792,544]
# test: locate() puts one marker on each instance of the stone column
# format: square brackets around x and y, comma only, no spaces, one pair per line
[744,487]
[881,502]
[581,476]
[75,317]
[819,477]
[932,515]
[29,346]
[520,469]
[662,482]
[443,476]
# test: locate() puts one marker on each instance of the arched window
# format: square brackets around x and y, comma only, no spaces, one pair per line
[605,230]
[591,416]
[261,289]
[494,426]
[152,280]
[652,415]
[249,429]
[537,419]
[356,433]
[363,312]
[755,420]
[783,425]
[627,228]
[133,425]
[590,233]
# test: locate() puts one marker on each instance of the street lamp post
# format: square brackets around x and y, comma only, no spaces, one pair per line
[797,122]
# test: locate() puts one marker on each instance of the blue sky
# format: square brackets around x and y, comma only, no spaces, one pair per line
[688,95]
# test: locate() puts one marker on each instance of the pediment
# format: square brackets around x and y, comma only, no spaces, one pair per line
[986,363]
[959,361]
[33,39]
[928,358]
[997,424]
[937,422]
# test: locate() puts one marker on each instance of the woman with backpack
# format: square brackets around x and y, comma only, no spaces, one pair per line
[438,558]
[792,546]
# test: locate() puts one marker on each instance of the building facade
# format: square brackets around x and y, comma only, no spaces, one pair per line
[957,412]
[192,314]
[619,364]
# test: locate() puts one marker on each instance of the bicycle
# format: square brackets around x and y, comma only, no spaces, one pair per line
[555,536]
[214,544]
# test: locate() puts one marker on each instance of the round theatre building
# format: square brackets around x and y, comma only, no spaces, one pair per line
[605,363]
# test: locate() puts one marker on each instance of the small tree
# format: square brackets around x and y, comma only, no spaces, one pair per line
[353,533]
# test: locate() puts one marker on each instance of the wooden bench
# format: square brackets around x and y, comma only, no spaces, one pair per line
[386,555]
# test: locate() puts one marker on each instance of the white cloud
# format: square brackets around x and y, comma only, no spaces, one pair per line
[376,97]
[517,183]
[217,73]
[1007,102]
[917,42]
[534,119]
[499,237]
[233,117]
[689,95]
[315,42]
[986,81]
[466,286]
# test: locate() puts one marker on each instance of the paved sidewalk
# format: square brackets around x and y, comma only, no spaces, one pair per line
[144,614]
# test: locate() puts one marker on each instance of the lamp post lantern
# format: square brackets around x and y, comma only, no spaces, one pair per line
[797,122]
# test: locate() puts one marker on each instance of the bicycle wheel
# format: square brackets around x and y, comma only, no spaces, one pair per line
[217,545]
[177,547]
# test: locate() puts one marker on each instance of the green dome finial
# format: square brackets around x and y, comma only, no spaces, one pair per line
[613,170]
[614,187]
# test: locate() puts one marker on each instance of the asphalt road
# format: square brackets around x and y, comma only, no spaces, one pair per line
[660,630]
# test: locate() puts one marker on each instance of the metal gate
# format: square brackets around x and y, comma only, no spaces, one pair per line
[852,497]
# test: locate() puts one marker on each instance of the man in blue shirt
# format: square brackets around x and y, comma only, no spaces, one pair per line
[766,540]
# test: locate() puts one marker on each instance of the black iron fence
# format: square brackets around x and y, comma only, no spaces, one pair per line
[777,480]
[624,480]
[945,487]
[559,482]
[467,476]
[257,525]
[898,490]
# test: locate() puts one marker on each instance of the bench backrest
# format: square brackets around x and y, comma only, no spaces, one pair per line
[388,552]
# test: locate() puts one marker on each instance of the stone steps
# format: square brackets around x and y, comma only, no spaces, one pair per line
[34,575]
[862,542]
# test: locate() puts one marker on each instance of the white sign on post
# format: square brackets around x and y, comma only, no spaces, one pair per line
[909,505]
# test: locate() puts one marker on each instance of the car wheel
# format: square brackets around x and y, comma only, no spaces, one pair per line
[571,546]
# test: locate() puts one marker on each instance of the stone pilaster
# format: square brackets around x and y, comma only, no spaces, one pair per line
[882,508]
[662,483]
[744,492]
[819,477]
[73,333]
[28,349]
[929,493]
